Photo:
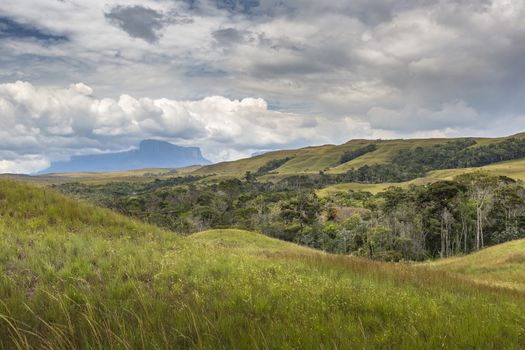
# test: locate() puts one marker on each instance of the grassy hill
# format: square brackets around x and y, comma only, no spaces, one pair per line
[501,265]
[76,276]
[514,169]
[311,160]
[304,161]
[328,158]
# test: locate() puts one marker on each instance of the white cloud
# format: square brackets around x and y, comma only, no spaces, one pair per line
[43,123]
[23,165]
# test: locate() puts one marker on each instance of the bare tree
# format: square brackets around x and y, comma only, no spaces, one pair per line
[482,192]
[447,219]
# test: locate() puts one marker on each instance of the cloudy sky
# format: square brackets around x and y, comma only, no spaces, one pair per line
[239,76]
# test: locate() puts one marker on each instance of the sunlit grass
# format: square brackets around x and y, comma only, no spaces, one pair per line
[514,169]
[502,265]
[75,276]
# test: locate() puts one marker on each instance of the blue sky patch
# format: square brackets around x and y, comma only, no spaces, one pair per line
[10,28]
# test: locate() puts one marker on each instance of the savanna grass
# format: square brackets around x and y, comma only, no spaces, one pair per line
[76,276]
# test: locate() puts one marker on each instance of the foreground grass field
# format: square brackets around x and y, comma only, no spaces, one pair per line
[75,276]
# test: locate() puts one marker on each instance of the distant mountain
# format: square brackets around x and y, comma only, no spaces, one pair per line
[150,154]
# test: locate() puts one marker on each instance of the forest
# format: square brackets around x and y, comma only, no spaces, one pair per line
[409,164]
[441,219]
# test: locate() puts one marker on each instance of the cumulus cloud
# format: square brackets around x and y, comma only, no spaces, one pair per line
[42,124]
[25,164]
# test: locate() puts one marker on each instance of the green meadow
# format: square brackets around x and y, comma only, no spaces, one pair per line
[76,276]
[500,265]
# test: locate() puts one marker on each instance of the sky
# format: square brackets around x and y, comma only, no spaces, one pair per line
[236,77]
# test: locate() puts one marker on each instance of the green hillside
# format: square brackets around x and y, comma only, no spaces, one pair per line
[502,265]
[307,161]
[311,160]
[76,276]
[513,168]
[327,158]
[385,151]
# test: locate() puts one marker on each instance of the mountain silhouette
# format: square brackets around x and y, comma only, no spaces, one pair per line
[150,154]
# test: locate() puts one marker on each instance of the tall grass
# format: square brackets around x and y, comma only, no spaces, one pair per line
[74,276]
[500,265]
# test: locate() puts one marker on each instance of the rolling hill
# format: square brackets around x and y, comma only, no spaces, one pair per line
[306,161]
[501,265]
[77,276]
[514,169]
[312,160]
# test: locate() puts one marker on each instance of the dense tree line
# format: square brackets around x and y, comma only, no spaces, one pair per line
[437,220]
[460,154]
[409,164]
[353,154]
[441,219]
[271,165]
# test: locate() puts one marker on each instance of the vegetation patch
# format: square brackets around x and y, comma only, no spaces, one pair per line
[351,155]
[271,165]
[440,219]
[409,164]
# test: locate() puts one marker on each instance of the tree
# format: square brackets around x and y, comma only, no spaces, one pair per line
[447,219]
[440,199]
[481,190]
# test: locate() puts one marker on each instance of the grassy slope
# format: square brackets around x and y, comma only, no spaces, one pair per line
[76,276]
[503,265]
[311,160]
[239,167]
[139,175]
[514,169]
[385,151]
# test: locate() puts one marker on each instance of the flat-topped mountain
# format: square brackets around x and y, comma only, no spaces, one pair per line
[150,154]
